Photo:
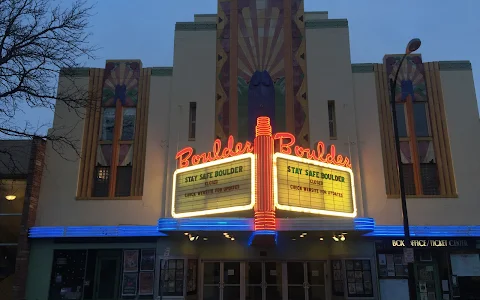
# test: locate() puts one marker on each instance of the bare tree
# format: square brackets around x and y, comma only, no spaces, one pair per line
[38,40]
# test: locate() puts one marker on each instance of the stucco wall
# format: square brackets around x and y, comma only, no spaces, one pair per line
[463,128]
[330,78]
[193,81]
[58,204]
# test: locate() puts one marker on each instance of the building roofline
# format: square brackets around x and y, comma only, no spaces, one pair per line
[326,23]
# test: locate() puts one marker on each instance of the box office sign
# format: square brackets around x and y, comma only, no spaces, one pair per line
[314,187]
[215,187]
[426,243]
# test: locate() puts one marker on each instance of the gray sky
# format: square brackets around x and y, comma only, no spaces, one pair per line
[144,29]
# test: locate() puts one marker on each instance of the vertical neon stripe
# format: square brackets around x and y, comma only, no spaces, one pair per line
[263,150]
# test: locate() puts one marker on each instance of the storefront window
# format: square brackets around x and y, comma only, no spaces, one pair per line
[337,275]
[103,274]
[172,276]
[359,278]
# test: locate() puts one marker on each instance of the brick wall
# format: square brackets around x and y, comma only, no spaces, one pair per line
[32,193]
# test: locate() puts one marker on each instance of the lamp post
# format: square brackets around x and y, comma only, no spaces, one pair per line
[412,46]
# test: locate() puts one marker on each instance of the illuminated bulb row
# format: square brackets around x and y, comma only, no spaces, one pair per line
[227,236]
[340,237]
[194,238]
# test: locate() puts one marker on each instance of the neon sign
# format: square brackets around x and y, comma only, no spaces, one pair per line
[317,181]
[286,142]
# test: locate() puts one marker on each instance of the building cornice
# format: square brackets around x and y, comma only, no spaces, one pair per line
[456,65]
[162,71]
[75,72]
[195,26]
[327,23]
[362,68]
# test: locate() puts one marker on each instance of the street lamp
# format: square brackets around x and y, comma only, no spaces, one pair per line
[412,46]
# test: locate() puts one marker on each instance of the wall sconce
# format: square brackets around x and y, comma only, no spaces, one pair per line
[10,197]
[11,193]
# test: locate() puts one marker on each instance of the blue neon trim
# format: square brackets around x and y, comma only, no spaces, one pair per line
[425,231]
[94,231]
[206,224]
[364,224]
[262,232]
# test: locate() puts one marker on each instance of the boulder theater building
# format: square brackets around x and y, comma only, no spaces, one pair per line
[261,165]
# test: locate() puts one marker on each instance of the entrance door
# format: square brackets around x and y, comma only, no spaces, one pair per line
[107,277]
[263,281]
[306,280]
[221,280]
[428,283]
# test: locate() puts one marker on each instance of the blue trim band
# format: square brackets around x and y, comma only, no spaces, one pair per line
[93,231]
[206,224]
[260,233]
[426,231]
[364,224]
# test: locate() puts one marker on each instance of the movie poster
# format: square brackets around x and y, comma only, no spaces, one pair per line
[145,283]
[130,260]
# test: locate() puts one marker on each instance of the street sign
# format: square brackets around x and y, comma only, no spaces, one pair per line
[408,255]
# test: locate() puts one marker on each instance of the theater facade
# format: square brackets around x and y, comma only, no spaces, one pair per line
[261,165]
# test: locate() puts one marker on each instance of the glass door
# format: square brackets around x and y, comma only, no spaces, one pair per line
[211,280]
[273,281]
[316,280]
[230,289]
[306,280]
[221,280]
[107,277]
[296,283]
[263,281]
[254,280]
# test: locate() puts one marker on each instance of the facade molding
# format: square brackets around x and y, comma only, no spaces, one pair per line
[94,231]
[162,71]
[362,68]
[455,65]
[327,23]
[75,72]
[195,26]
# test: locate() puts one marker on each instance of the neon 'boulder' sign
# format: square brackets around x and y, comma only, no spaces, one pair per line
[286,142]
[242,176]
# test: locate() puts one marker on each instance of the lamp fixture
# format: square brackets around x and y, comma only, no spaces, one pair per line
[335,238]
[342,238]
[321,239]
[232,239]
[186,233]
[10,197]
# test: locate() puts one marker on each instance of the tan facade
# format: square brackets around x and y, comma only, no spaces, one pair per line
[361,109]
[254,70]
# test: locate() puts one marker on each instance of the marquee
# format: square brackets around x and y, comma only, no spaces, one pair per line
[251,175]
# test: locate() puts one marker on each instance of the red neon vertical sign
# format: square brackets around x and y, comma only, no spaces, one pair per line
[263,149]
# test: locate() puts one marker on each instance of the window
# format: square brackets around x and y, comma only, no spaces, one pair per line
[114,134]
[426,158]
[332,125]
[337,275]
[359,278]
[192,120]
[172,277]
[419,166]
[113,169]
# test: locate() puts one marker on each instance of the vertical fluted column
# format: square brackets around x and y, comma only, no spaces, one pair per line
[263,148]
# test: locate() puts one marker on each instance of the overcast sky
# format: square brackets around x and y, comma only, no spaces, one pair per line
[144,29]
